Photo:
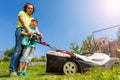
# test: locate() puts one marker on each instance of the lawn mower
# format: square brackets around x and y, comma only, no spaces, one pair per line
[66,62]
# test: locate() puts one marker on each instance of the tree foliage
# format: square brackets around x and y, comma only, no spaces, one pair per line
[42,58]
[9,52]
[87,46]
[75,48]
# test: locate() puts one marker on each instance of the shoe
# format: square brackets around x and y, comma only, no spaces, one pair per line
[13,74]
[24,73]
[20,73]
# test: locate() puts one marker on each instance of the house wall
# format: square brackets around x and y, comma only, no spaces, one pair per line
[109,48]
[113,48]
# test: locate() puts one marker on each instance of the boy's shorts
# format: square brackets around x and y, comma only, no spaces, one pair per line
[27,54]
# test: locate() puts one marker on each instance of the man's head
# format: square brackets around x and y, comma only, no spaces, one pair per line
[29,8]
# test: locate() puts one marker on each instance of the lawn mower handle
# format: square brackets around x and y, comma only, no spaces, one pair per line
[39,40]
[36,39]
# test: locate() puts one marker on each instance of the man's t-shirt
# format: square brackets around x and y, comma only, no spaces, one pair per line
[26,17]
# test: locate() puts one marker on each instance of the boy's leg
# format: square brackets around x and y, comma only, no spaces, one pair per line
[25,58]
[30,56]
[25,66]
[21,66]
[22,63]
[28,60]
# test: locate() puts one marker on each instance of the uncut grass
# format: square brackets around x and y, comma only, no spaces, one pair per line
[38,73]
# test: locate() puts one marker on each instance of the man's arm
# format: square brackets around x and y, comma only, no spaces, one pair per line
[22,20]
[24,33]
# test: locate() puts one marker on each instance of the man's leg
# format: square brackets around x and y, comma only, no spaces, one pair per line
[16,54]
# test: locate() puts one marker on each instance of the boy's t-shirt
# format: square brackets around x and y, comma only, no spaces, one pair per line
[26,41]
[27,18]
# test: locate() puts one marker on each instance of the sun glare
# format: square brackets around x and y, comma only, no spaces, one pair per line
[112,7]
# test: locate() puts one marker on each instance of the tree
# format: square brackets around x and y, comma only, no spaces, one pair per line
[9,52]
[75,48]
[43,58]
[87,46]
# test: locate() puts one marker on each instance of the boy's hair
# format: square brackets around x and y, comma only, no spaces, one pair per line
[34,20]
[25,7]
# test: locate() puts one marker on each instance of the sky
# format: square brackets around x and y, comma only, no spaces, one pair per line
[61,22]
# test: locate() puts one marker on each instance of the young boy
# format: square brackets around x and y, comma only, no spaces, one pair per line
[29,48]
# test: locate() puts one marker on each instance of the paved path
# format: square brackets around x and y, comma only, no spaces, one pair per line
[37,63]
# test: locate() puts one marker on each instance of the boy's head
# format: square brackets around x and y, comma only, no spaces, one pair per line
[34,23]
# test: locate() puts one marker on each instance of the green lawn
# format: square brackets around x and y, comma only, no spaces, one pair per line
[38,73]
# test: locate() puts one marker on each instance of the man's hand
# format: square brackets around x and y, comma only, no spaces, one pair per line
[30,33]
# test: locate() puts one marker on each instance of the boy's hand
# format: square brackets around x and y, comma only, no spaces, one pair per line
[40,36]
[30,33]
